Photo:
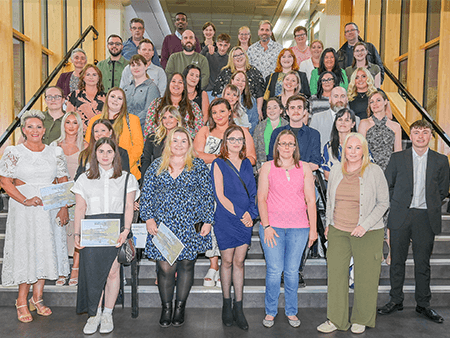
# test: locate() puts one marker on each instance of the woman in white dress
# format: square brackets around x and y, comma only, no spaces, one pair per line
[71,142]
[29,252]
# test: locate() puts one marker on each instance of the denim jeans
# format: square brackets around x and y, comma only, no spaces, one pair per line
[283,257]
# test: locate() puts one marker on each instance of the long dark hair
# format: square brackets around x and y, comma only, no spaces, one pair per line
[334,137]
[336,69]
[186,70]
[319,83]
[224,147]
[216,102]
[86,153]
[185,106]
[94,171]
[246,96]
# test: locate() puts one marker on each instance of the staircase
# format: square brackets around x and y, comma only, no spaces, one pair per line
[314,295]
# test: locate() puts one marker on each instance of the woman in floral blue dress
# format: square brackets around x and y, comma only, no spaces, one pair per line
[178,192]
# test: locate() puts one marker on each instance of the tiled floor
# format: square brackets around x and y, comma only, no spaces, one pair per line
[207,323]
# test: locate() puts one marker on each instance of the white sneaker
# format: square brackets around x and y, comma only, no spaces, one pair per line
[358,328]
[106,324]
[92,325]
[327,327]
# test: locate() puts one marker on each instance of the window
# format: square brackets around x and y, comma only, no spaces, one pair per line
[44,23]
[17,11]
[44,75]
[383,29]
[402,74]
[433,19]
[19,75]
[431,80]
[404,27]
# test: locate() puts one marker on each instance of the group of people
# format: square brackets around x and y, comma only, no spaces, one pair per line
[183,146]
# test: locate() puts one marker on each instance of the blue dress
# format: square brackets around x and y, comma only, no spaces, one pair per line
[179,203]
[228,228]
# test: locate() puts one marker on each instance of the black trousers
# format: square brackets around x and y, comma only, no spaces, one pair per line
[416,228]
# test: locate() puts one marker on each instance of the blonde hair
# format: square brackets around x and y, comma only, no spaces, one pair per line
[29,114]
[161,131]
[249,38]
[365,157]
[352,93]
[230,63]
[80,139]
[299,85]
[167,153]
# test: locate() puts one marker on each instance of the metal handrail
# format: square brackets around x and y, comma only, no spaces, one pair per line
[437,128]
[43,87]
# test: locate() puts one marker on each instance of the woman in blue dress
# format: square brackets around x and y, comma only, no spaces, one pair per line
[235,191]
[177,191]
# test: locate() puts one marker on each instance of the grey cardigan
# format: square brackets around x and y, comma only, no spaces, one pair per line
[373,196]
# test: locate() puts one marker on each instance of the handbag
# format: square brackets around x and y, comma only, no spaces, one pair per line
[127,252]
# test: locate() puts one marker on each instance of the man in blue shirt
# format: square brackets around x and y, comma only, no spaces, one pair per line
[137,29]
[308,138]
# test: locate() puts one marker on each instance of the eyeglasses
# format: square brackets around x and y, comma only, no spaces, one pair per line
[328,80]
[285,144]
[51,97]
[238,55]
[233,140]
[137,28]
[114,43]
[300,35]
[350,30]
[244,34]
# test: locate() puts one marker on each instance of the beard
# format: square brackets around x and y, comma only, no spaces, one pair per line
[188,47]
[337,106]
[116,53]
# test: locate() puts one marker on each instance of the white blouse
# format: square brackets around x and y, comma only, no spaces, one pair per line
[105,195]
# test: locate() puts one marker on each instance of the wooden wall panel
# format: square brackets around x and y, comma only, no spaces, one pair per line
[392,45]
[55,34]
[6,69]
[358,13]
[33,49]
[443,101]
[87,20]
[100,25]
[73,24]
[374,23]
[416,56]
[346,17]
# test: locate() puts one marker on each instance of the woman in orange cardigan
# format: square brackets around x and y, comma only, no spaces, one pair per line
[126,126]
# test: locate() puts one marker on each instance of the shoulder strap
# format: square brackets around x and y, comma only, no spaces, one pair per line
[125,197]
[239,176]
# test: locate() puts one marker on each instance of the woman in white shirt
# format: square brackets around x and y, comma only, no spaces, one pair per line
[100,193]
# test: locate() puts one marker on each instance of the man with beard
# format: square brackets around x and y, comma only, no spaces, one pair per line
[146,48]
[179,61]
[323,122]
[130,47]
[308,138]
[264,53]
[113,66]
[172,42]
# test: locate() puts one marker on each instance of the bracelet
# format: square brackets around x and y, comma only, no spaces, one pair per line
[26,199]
[129,229]
[77,235]
[267,226]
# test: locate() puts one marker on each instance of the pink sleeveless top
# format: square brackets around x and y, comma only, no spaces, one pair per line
[286,199]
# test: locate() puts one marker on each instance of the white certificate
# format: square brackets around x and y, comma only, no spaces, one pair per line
[139,234]
[57,195]
[99,232]
[167,243]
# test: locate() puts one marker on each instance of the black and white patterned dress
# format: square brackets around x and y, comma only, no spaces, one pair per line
[380,139]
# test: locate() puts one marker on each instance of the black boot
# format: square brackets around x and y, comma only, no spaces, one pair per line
[166,315]
[178,315]
[227,312]
[238,315]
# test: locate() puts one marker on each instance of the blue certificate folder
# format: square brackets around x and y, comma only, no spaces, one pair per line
[99,232]
[167,243]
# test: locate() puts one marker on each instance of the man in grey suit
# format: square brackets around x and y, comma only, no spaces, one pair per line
[418,180]
[323,122]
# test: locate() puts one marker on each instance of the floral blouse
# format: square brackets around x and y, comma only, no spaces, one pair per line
[151,124]
[79,102]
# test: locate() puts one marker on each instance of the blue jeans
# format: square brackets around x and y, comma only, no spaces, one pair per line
[285,256]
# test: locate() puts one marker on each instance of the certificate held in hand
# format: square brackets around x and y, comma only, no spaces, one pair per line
[167,243]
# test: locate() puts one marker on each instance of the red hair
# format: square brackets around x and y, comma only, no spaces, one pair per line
[295,66]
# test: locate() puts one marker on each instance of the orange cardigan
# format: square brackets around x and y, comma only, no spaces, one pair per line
[131,140]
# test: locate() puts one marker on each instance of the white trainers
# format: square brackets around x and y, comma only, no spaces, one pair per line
[358,328]
[92,325]
[106,324]
[327,327]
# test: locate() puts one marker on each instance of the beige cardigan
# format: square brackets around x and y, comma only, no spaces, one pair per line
[374,196]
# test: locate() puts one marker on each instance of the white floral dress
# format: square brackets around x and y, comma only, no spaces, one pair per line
[30,244]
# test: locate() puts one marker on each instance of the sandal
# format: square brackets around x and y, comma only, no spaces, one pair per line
[210,278]
[41,309]
[73,281]
[26,318]
[61,281]
[217,279]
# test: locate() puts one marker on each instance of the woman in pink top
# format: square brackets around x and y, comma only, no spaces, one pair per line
[285,198]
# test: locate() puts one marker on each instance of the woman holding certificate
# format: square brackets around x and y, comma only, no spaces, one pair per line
[29,251]
[100,194]
[177,194]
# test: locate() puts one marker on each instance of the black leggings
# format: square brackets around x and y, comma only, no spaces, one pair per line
[166,279]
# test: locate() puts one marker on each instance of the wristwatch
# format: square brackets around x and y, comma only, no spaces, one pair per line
[266,226]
